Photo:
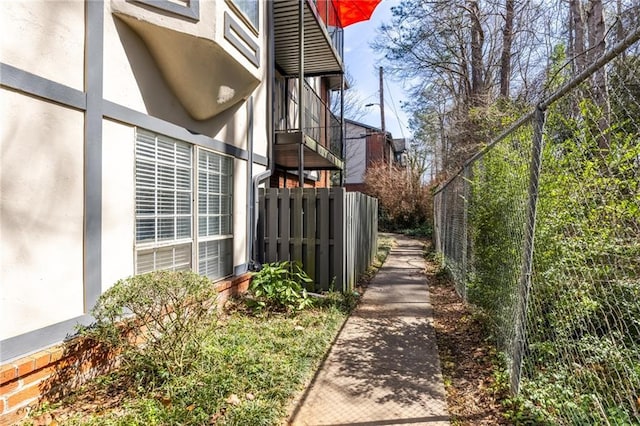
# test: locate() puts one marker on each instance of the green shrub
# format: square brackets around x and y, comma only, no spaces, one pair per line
[154,321]
[280,286]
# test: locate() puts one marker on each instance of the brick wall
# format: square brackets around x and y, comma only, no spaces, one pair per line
[356,187]
[53,372]
[281,179]
[376,149]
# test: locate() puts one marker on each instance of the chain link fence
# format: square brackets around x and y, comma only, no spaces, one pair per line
[541,231]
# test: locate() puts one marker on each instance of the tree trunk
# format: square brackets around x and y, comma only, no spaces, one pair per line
[477,42]
[507,41]
[597,46]
[576,12]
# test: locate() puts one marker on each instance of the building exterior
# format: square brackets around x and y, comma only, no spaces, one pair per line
[364,146]
[134,136]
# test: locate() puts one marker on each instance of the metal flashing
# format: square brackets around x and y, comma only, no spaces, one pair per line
[24,344]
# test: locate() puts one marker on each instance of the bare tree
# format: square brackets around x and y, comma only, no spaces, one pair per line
[461,53]
[353,105]
[507,42]
[577,35]
[599,90]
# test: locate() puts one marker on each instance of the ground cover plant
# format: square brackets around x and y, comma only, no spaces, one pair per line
[235,367]
[243,365]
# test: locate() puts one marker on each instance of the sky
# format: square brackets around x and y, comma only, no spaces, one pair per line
[363,65]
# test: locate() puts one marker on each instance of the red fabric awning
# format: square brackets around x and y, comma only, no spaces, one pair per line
[353,11]
[342,13]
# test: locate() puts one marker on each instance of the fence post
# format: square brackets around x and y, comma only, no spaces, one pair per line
[465,227]
[524,284]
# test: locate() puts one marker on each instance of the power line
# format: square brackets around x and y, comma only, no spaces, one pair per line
[393,108]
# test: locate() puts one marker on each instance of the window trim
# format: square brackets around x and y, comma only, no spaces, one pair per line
[196,212]
[235,35]
[195,239]
[254,27]
[192,11]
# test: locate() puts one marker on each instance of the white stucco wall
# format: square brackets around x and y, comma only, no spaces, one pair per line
[133,79]
[51,39]
[41,214]
[118,202]
[240,212]
[42,160]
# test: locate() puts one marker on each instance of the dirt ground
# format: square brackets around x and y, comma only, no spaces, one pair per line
[465,356]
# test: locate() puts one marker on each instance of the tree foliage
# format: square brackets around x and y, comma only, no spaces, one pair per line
[464,60]
[405,201]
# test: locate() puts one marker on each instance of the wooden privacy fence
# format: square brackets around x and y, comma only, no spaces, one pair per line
[332,232]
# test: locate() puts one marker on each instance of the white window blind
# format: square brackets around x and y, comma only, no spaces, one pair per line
[166,177]
[215,196]
[163,202]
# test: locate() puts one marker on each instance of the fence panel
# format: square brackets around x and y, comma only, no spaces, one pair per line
[332,232]
[543,235]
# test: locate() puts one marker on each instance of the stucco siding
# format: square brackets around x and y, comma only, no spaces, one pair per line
[51,39]
[118,202]
[240,211]
[41,214]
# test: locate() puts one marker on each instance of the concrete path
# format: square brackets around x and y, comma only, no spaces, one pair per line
[384,368]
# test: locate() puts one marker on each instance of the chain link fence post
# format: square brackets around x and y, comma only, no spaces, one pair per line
[466,183]
[524,284]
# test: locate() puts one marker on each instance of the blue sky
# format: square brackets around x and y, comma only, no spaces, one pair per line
[363,63]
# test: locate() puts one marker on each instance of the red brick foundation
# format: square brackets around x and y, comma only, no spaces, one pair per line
[53,372]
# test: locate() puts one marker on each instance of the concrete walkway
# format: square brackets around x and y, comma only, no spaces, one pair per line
[384,368]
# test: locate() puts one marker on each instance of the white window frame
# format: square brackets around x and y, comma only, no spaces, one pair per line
[220,237]
[158,248]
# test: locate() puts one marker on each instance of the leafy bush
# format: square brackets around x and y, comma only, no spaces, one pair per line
[280,286]
[404,201]
[583,332]
[154,321]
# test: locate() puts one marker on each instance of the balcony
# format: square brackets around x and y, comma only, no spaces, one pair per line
[323,38]
[319,142]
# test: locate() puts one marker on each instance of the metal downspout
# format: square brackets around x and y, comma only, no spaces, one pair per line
[301,99]
[255,181]
[250,194]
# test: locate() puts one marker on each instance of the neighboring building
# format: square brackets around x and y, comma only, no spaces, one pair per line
[364,146]
[400,152]
[134,135]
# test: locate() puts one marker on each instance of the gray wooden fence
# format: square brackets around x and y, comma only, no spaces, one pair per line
[332,232]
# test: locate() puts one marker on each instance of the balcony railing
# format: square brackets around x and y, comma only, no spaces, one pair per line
[329,15]
[320,124]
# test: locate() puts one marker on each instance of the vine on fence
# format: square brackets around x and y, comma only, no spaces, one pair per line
[582,350]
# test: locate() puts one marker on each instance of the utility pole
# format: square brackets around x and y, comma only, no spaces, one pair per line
[382,127]
[382,104]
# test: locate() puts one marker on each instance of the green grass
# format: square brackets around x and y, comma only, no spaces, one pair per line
[248,370]
[244,367]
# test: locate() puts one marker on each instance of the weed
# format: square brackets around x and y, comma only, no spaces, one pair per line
[280,286]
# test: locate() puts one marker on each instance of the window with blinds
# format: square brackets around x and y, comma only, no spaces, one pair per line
[215,192]
[165,187]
